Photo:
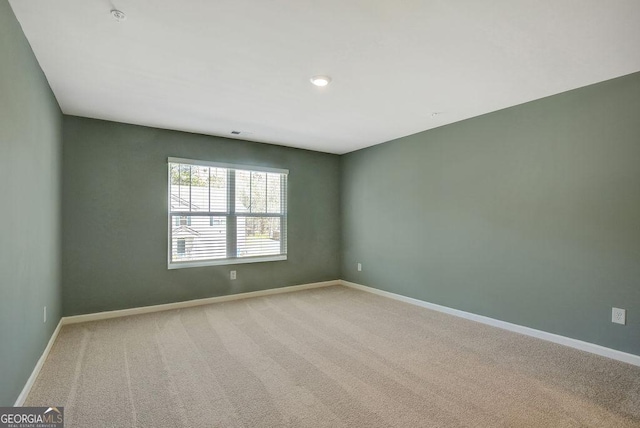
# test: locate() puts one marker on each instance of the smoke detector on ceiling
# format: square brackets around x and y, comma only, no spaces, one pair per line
[118,15]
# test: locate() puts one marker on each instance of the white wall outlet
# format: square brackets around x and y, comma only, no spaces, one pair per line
[359,267]
[619,316]
[45,314]
[233,274]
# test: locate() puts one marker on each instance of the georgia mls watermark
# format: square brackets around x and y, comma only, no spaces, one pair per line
[31,417]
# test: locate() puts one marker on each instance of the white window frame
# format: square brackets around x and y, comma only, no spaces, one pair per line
[228,215]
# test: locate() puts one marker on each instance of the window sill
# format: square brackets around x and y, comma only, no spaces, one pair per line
[223,262]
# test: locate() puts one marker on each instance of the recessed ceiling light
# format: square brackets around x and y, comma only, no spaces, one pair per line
[320,80]
[118,15]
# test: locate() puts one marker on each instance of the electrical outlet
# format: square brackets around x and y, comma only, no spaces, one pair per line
[359,267]
[619,316]
[45,314]
[233,274]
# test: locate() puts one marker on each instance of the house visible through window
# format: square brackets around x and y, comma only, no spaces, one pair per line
[181,246]
[183,220]
[223,214]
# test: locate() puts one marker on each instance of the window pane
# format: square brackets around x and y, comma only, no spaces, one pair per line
[198,238]
[199,188]
[251,191]
[218,188]
[273,193]
[179,190]
[258,192]
[184,185]
[243,191]
[258,236]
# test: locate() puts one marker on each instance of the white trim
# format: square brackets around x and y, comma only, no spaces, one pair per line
[148,309]
[223,262]
[551,337]
[573,343]
[228,165]
[190,303]
[36,370]
[232,240]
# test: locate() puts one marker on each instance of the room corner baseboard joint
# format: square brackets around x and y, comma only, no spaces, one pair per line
[149,309]
[36,370]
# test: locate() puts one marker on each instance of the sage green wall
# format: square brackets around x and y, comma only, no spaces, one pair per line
[115,217]
[529,215]
[30,146]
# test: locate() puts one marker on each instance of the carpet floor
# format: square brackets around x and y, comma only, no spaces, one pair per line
[327,357]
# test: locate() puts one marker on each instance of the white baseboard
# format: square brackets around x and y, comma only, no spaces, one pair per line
[36,370]
[156,308]
[191,303]
[551,337]
[573,343]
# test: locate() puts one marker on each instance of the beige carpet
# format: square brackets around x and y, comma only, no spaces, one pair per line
[330,357]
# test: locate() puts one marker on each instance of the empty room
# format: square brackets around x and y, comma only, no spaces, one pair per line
[303,214]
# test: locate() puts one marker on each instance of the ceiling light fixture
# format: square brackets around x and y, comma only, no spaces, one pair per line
[320,80]
[118,15]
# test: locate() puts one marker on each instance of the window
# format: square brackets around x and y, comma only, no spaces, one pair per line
[224,214]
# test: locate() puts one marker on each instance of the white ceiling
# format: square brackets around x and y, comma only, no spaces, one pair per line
[212,67]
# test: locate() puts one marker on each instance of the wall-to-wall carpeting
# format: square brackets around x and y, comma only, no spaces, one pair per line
[329,357]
